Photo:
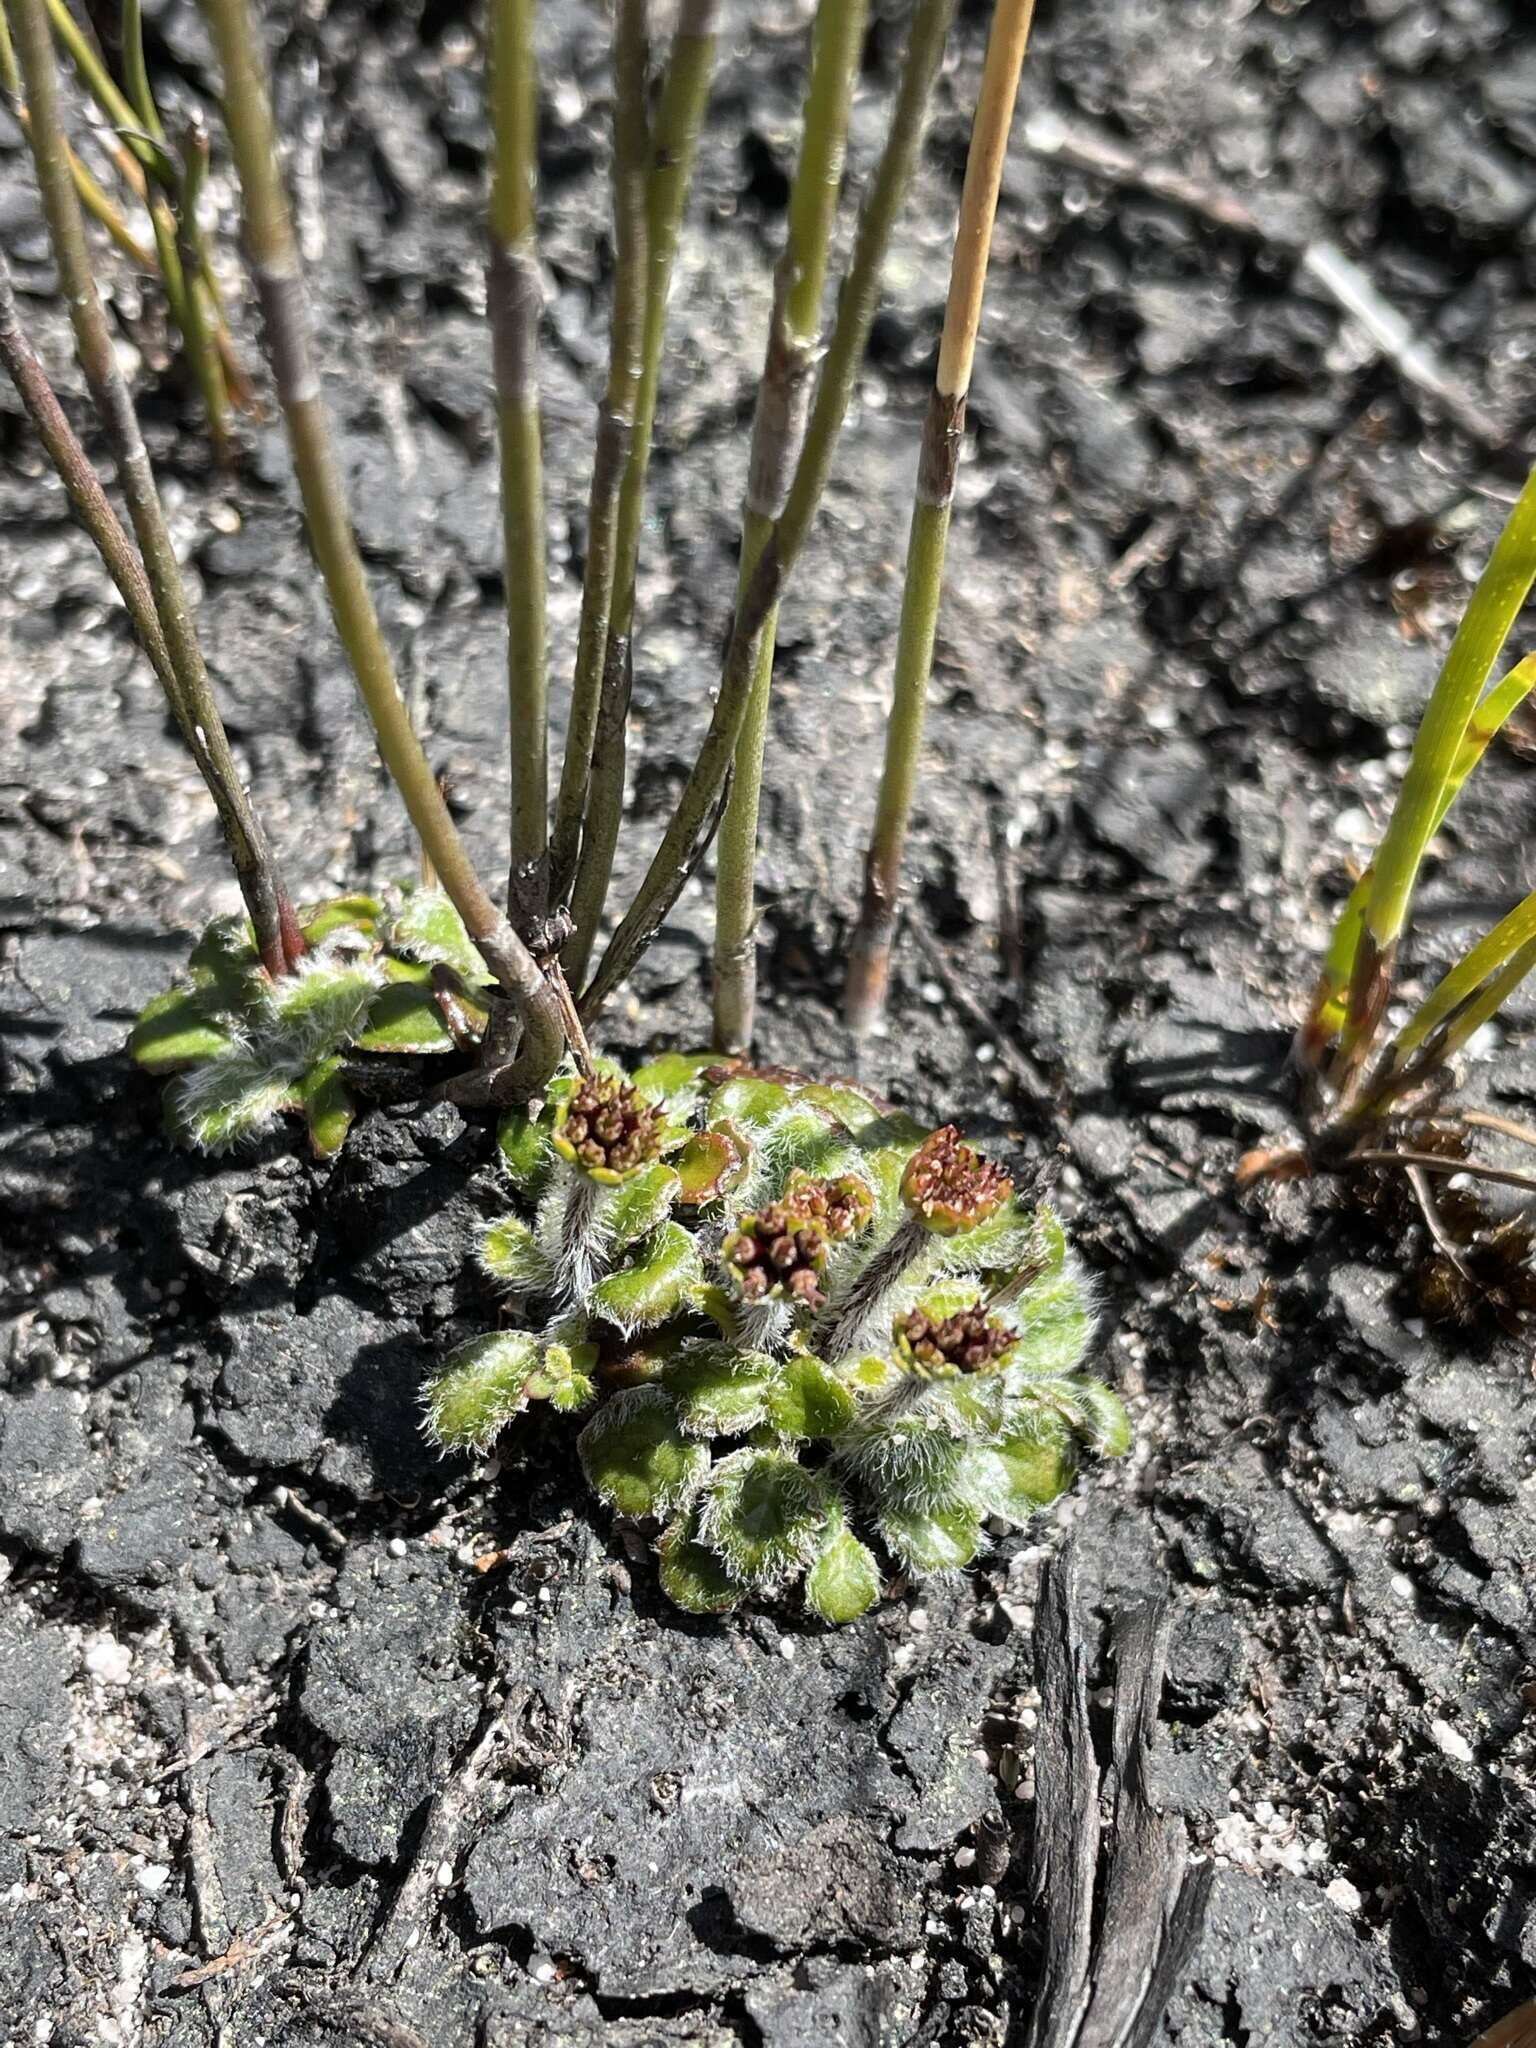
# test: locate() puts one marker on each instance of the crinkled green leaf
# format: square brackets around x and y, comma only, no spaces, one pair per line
[710,1165]
[844,1579]
[692,1577]
[639,1204]
[322,1005]
[526,1152]
[635,1456]
[940,1542]
[747,1100]
[174,1031]
[1100,1417]
[846,1101]
[674,1078]
[225,960]
[479,1389]
[808,1400]
[426,927]
[719,1390]
[328,1107]
[763,1514]
[654,1286]
[1055,1324]
[220,1103]
[403,1017]
[339,913]
[511,1253]
[1021,1475]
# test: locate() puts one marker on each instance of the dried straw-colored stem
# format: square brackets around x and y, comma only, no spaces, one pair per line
[869,965]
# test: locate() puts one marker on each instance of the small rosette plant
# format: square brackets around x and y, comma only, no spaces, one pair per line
[241,1048]
[793,1322]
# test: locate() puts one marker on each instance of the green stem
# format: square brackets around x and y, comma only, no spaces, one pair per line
[191,697]
[1474,990]
[869,965]
[274,261]
[778,429]
[197,330]
[513,297]
[615,433]
[688,830]
[1326,1016]
[1491,611]
[673,146]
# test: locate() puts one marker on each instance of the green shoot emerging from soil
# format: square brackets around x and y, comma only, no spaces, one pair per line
[789,1320]
[1375,1083]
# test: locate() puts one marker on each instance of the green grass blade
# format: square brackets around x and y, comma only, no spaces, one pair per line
[1501,702]
[1501,590]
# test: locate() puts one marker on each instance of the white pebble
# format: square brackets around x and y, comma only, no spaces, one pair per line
[1451,1741]
[396,1546]
[1343,1895]
[108,1659]
[1354,827]
[1402,1587]
[964,1858]
[917,1621]
[786,1648]
[153,1878]
[442,1877]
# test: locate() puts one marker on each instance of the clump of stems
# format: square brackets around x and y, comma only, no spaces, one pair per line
[167,181]
[778,430]
[272,253]
[1362,1069]
[869,965]
[164,624]
[697,809]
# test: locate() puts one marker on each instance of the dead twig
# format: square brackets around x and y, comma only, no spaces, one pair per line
[439,1843]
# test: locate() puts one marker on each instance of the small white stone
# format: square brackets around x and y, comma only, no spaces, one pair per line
[108,1659]
[1343,1895]
[786,1648]
[1451,1741]
[1354,826]
[917,1621]
[153,1878]
[1402,1587]
[442,1877]
[396,1546]
[964,1858]
[543,1971]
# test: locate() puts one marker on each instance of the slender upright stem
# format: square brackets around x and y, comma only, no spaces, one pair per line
[697,808]
[274,261]
[1501,590]
[276,931]
[869,963]
[514,297]
[197,330]
[615,432]
[673,146]
[1325,1016]
[778,428]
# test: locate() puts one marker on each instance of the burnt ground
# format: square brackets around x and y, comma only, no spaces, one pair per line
[1207,553]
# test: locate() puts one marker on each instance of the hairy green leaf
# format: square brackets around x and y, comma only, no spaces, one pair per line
[844,1579]
[692,1577]
[174,1031]
[639,1204]
[719,1390]
[940,1542]
[763,1513]
[480,1388]
[809,1400]
[642,1295]
[636,1457]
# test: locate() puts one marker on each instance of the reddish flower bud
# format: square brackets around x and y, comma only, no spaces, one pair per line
[949,1187]
[967,1341]
[607,1129]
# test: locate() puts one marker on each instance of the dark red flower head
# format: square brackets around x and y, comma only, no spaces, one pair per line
[608,1130]
[967,1341]
[949,1187]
